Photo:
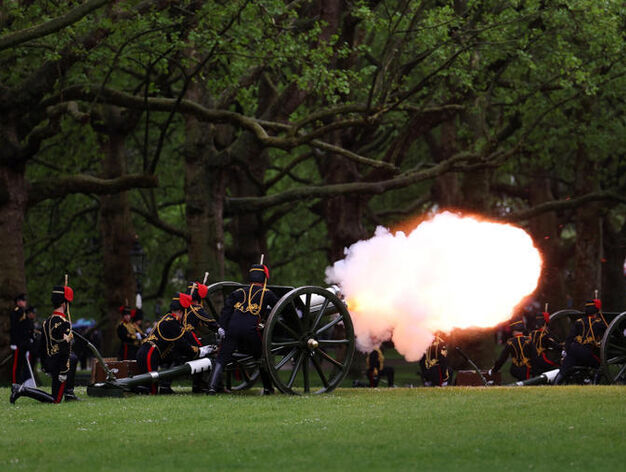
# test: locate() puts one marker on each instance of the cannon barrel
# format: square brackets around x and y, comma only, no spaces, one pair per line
[117,387]
[545,378]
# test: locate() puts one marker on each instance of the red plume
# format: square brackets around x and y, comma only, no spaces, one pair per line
[598,303]
[68,293]
[546,316]
[202,290]
[185,300]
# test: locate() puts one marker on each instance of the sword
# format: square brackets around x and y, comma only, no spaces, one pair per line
[30,369]
[110,376]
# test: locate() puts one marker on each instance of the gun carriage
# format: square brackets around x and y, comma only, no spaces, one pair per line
[612,348]
[308,345]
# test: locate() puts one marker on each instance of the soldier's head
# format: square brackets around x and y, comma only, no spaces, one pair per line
[199,291]
[258,273]
[125,313]
[179,303]
[591,308]
[20,300]
[517,327]
[31,312]
[61,295]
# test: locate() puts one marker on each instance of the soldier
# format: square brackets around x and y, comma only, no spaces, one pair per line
[197,319]
[521,350]
[57,359]
[434,363]
[136,317]
[20,340]
[244,312]
[582,346]
[547,347]
[376,368]
[129,337]
[167,335]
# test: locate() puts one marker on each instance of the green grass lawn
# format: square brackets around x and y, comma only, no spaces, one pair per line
[455,428]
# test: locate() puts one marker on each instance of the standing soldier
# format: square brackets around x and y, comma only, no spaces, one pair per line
[582,346]
[245,310]
[434,363]
[168,335]
[521,350]
[57,359]
[20,337]
[127,332]
[196,319]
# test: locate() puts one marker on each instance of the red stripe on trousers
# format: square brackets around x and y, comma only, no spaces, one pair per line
[153,387]
[543,354]
[60,394]
[196,338]
[125,352]
[15,355]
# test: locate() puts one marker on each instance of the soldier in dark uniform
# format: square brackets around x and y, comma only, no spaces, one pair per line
[57,359]
[521,350]
[547,347]
[376,368]
[434,363]
[126,331]
[244,311]
[196,320]
[582,346]
[167,336]
[19,340]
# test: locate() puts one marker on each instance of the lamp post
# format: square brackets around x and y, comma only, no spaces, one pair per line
[137,261]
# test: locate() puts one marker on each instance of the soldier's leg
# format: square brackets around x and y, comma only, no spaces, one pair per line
[71,375]
[22,391]
[224,356]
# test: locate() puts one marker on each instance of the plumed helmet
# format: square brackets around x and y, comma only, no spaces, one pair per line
[61,294]
[258,273]
[136,314]
[20,298]
[124,310]
[518,325]
[591,307]
[180,301]
[199,292]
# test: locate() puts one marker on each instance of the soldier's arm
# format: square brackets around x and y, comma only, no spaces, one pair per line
[229,307]
[504,355]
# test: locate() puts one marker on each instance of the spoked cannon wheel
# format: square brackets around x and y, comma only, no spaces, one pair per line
[561,321]
[243,371]
[613,352]
[308,341]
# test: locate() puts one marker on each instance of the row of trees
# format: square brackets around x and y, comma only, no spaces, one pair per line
[217,131]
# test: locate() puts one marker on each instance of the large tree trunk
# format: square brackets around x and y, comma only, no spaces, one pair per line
[117,237]
[13,196]
[613,277]
[545,232]
[588,247]
[204,197]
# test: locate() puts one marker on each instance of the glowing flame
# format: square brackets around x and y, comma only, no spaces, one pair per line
[449,272]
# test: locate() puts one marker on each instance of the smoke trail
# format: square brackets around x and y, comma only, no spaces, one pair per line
[449,272]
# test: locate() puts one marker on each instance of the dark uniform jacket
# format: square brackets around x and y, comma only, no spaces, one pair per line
[21,328]
[127,332]
[247,307]
[588,332]
[168,336]
[434,363]
[57,337]
[548,349]
[522,351]
[196,318]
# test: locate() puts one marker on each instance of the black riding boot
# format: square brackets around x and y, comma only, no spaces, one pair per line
[216,377]
[21,391]
[558,380]
[268,387]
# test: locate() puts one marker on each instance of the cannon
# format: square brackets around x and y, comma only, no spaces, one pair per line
[308,346]
[308,340]
[612,347]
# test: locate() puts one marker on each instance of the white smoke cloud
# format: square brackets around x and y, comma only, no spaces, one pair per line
[449,272]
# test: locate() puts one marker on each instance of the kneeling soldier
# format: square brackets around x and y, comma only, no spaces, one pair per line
[168,335]
[57,358]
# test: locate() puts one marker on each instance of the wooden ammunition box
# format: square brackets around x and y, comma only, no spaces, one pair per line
[471,377]
[120,369]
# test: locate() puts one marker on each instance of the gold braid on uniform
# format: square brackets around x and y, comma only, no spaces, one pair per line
[524,361]
[252,308]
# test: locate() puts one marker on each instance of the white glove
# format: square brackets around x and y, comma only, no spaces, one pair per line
[205,351]
[625,333]
[62,378]
[13,347]
[563,354]
[490,372]
[138,336]
[221,333]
